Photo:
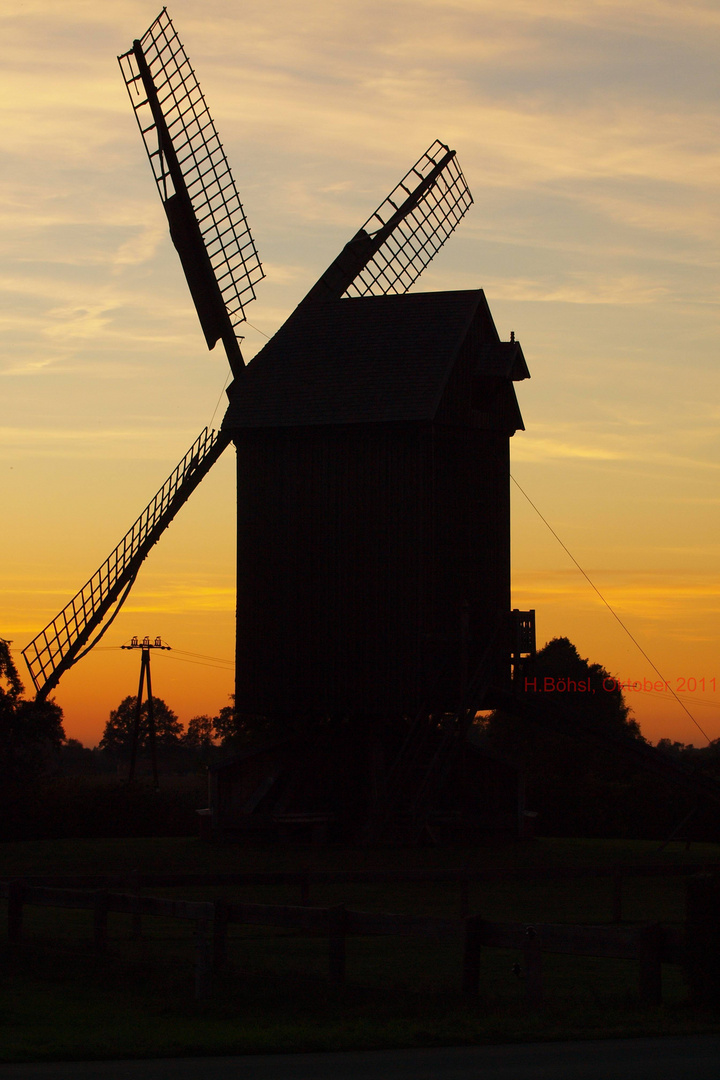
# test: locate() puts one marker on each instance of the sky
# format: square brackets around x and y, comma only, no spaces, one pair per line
[589,134]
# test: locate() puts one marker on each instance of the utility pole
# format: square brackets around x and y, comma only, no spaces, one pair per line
[145,645]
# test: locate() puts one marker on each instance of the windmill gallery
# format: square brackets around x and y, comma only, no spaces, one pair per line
[373,504]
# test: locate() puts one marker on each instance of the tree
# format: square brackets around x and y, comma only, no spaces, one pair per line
[199,733]
[240,731]
[225,723]
[584,690]
[31,732]
[77,760]
[117,736]
[10,686]
[580,785]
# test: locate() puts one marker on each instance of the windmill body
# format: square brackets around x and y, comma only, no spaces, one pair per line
[372,437]
[372,441]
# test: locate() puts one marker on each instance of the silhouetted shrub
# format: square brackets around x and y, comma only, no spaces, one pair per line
[100,806]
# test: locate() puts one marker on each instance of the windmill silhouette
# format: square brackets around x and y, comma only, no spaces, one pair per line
[373,466]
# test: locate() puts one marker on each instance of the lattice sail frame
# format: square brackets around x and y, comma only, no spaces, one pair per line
[415,241]
[58,646]
[205,169]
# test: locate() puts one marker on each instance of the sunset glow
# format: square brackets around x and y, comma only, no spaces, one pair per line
[589,135]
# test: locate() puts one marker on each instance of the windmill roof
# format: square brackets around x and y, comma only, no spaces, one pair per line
[360,360]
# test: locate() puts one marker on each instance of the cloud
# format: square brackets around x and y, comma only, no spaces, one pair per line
[182,596]
[665,607]
[532,448]
[586,287]
[144,442]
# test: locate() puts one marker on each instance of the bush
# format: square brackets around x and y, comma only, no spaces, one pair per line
[100,806]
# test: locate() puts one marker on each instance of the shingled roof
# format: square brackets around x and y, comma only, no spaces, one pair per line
[369,359]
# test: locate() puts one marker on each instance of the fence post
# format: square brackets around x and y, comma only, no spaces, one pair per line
[533,969]
[649,964]
[100,912]
[133,884]
[617,885]
[702,938]
[464,897]
[220,927]
[338,923]
[16,895]
[472,949]
[203,960]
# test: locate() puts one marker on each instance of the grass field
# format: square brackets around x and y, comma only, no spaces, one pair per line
[61,1000]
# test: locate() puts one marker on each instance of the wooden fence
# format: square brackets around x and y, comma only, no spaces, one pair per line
[304,880]
[650,946]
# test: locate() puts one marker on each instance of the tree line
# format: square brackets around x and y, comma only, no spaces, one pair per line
[585,786]
[577,787]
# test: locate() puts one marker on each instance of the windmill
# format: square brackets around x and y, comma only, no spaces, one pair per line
[340,612]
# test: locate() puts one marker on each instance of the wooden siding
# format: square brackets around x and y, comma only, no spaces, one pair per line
[358,552]
[472,552]
[374,558]
[332,536]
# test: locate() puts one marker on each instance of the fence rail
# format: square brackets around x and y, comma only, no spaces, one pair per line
[304,880]
[649,945]
[153,879]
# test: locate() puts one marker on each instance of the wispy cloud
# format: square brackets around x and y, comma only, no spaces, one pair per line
[661,601]
[582,288]
[143,442]
[182,597]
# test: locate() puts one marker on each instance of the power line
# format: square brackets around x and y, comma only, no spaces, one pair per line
[198,658]
[200,663]
[258,330]
[217,404]
[202,656]
[610,609]
[227,377]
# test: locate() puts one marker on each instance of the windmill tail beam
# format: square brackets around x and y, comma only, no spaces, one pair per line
[62,642]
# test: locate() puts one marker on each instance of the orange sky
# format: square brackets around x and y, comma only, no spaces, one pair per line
[589,136]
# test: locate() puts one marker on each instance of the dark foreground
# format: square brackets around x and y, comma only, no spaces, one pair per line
[692,1057]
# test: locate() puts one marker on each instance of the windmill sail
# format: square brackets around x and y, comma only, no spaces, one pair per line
[65,639]
[396,243]
[207,221]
